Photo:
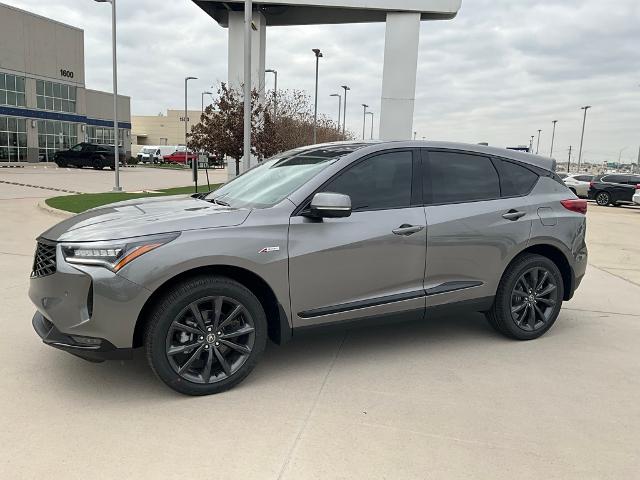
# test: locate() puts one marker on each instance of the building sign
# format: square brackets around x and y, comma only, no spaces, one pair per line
[66,73]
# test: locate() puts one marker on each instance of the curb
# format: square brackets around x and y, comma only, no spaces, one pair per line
[54,211]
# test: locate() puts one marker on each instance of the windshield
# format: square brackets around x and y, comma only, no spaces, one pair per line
[148,150]
[278,177]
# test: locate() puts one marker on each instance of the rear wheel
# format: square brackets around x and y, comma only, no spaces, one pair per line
[603,199]
[206,335]
[528,299]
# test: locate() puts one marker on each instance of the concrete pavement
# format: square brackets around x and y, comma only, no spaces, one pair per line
[435,399]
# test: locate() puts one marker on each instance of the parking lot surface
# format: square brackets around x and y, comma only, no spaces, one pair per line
[443,398]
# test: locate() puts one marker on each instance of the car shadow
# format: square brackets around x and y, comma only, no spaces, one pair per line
[308,351]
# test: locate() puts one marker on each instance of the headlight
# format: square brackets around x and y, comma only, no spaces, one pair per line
[116,254]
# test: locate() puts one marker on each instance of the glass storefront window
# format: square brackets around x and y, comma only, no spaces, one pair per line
[104,135]
[13,139]
[12,90]
[54,136]
[55,96]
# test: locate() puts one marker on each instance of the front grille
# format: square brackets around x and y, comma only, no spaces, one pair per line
[44,262]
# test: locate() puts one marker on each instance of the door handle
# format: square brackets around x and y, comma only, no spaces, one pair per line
[513,215]
[407,229]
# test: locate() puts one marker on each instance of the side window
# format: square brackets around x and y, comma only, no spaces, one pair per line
[583,178]
[631,180]
[460,177]
[77,148]
[516,180]
[379,182]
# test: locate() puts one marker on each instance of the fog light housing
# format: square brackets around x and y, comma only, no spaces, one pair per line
[87,341]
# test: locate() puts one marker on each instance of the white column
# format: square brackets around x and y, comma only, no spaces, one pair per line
[399,77]
[236,58]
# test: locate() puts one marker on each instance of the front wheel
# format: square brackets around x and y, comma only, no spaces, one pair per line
[603,199]
[206,335]
[528,299]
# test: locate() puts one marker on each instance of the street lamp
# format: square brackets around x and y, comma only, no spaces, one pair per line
[203,94]
[117,187]
[371,113]
[275,91]
[553,137]
[339,107]
[186,121]
[538,145]
[364,118]
[584,121]
[620,155]
[315,110]
[344,112]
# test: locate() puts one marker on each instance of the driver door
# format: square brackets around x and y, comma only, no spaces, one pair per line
[371,263]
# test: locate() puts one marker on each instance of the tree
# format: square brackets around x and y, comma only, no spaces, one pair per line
[221,128]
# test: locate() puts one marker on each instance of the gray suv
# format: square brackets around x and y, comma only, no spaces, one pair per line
[326,234]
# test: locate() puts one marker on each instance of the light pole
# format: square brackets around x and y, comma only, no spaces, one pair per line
[371,113]
[531,144]
[620,155]
[275,91]
[344,111]
[186,143]
[315,109]
[415,135]
[116,150]
[584,121]
[553,137]
[248,13]
[203,94]
[364,118]
[339,107]
[538,145]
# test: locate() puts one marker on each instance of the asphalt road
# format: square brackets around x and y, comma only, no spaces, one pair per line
[436,399]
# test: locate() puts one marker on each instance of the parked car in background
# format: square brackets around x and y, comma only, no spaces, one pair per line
[89,155]
[181,157]
[636,195]
[578,183]
[156,154]
[320,235]
[563,175]
[613,188]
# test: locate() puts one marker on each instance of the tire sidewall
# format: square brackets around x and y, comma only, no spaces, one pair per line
[503,299]
[173,304]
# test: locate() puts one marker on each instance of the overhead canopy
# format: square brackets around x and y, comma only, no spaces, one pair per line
[315,12]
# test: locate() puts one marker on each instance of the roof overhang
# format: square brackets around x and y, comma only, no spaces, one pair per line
[317,12]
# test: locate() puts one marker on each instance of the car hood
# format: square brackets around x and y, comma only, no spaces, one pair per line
[146,216]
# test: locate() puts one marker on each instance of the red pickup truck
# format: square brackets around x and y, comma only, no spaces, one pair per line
[180,157]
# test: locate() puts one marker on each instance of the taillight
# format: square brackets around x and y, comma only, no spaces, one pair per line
[638,186]
[577,205]
[591,184]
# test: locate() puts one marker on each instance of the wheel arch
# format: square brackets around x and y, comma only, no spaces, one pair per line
[277,320]
[557,256]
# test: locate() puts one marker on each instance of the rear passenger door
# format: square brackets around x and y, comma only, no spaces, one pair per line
[477,213]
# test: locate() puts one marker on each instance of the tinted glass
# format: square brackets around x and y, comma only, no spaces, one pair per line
[460,177]
[630,179]
[516,180]
[380,182]
[613,179]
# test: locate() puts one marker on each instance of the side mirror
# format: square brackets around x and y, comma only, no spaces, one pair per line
[330,205]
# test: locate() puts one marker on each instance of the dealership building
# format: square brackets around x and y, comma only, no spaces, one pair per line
[44,104]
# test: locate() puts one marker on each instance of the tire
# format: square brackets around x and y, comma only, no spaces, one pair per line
[520,325]
[172,326]
[603,198]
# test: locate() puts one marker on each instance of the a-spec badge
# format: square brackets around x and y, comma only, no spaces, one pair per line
[269,249]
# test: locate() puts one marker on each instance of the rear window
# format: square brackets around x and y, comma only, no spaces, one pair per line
[516,180]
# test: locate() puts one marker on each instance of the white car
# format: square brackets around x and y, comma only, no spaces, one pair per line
[636,196]
[578,183]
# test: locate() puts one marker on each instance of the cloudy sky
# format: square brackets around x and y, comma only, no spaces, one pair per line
[497,73]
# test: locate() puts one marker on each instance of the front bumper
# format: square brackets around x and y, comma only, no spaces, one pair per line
[88,301]
[53,337]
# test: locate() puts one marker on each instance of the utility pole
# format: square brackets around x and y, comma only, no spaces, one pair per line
[584,121]
[569,162]
[538,146]
[553,137]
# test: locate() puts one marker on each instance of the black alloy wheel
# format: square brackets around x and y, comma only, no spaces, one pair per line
[210,339]
[528,298]
[205,335]
[533,299]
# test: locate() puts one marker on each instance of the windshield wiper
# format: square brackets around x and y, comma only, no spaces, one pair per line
[220,202]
